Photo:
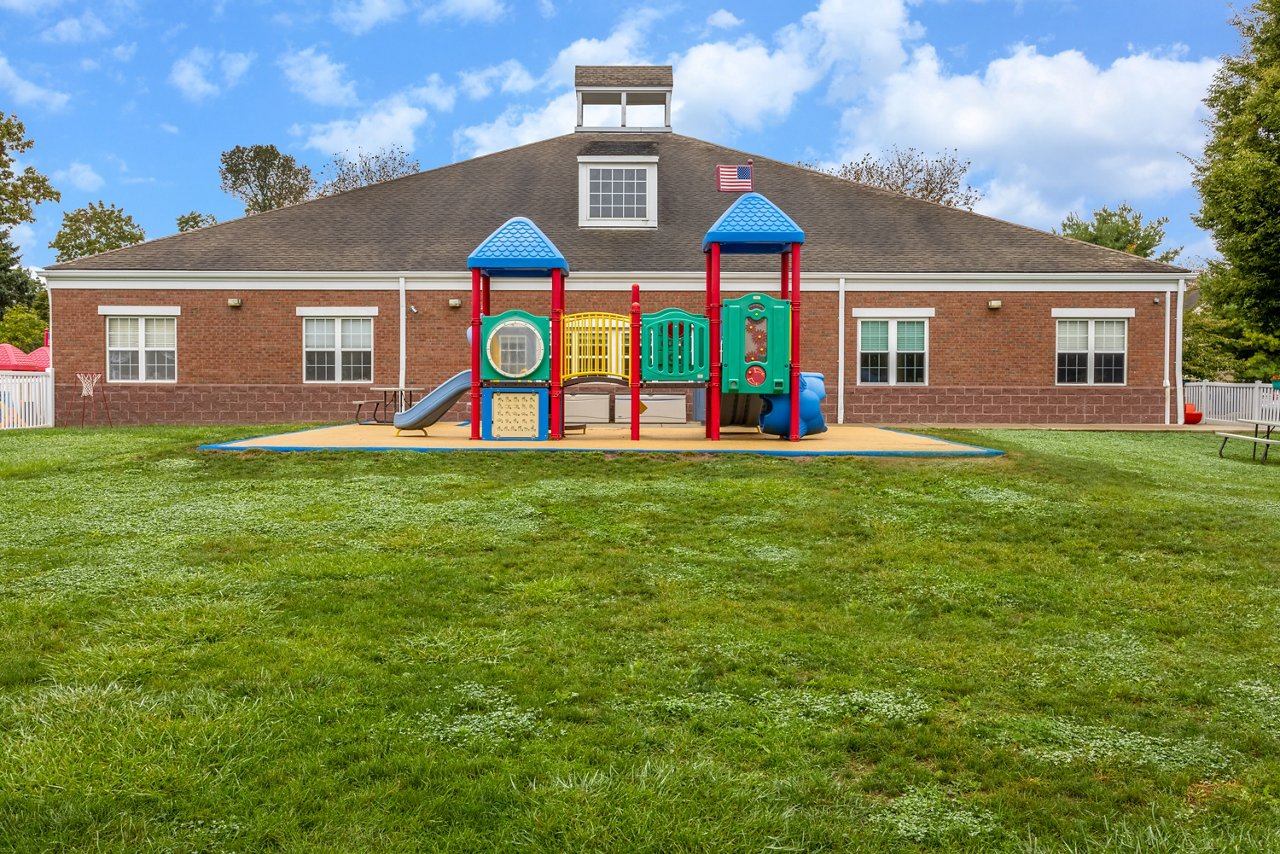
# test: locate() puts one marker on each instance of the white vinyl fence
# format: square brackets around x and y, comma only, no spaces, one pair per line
[26,399]
[1226,402]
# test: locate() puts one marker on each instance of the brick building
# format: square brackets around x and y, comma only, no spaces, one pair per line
[915,312]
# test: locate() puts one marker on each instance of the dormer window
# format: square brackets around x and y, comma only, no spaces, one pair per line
[618,191]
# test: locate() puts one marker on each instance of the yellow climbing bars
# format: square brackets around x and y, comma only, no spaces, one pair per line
[596,344]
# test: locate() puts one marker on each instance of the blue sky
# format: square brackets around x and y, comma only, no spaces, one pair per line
[1061,105]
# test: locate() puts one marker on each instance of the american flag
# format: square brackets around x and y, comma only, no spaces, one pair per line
[734,179]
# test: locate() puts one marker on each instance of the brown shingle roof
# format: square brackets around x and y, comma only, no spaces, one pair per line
[432,220]
[618,76]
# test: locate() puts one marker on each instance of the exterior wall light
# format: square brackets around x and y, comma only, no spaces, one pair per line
[993,304]
[455,303]
[234,302]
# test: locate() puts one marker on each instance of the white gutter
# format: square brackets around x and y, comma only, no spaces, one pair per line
[1177,372]
[1168,311]
[655,280]
[402,332]
[840,360]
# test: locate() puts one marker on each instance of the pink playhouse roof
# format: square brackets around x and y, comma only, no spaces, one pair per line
[13,359]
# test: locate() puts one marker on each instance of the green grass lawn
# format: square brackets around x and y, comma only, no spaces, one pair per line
[1073,647]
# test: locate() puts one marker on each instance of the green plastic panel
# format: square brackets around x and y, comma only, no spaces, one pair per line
[515,345]
[755,347]
[674,346]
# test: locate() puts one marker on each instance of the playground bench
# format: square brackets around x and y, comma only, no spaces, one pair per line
[361,404]
[1244,437]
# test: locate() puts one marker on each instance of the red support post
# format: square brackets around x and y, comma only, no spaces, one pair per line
[475,354]
[795,342]
[786,276]
[713,323]
[635,363]
[484,296]
[557,316]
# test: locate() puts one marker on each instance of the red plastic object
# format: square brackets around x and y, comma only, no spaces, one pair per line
[13,359]
[1191,415]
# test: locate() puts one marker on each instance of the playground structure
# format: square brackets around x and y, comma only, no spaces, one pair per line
[744,347]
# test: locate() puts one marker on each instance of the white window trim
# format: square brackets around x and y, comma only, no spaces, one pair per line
[894,313]
[142,344]
[647,162]
[893,345]
[1091,351]
[1093,313]
[139,310]
[340,311]
[337,349]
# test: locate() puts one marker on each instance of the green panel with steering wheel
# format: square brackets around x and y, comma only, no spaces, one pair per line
[755,345]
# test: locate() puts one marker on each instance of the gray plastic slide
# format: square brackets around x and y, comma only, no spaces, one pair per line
[432,408]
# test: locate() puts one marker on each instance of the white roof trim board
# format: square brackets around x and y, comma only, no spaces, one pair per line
[206,280]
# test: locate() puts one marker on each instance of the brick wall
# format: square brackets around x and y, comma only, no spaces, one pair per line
[245,365]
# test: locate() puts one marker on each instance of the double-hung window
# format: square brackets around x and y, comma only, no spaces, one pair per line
[337,349]
[142,348]
[1092,350]
[893,350]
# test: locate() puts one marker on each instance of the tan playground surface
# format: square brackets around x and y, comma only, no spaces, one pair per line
[843,439]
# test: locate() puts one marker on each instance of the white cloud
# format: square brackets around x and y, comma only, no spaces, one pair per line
[360,16]
[623,46]
[518,127]
[81,176]
[723,19]
[124,52]
[234,66]
[392,121]
[87,27]
[1022,202]
[192,73]
[1046,127]
[168,128]
[484,11]
[859,41]
[762,86]
[546,8]
[26,93]
[434,93]
[28,7]
[509,76]
[24,238]
[317,78]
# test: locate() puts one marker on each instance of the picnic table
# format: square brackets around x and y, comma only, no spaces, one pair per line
[399,396]
[1262,429]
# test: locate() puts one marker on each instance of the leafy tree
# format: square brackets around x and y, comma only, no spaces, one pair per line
[264,178]
[911,172]
[193,220]
[1218,343]
[17,286]
[22,327]
[1239,175]
[345,172]
[93,229]
[21,191]
[1121,229]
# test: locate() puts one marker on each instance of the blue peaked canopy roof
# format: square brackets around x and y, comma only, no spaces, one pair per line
[517,248]
[753,225]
